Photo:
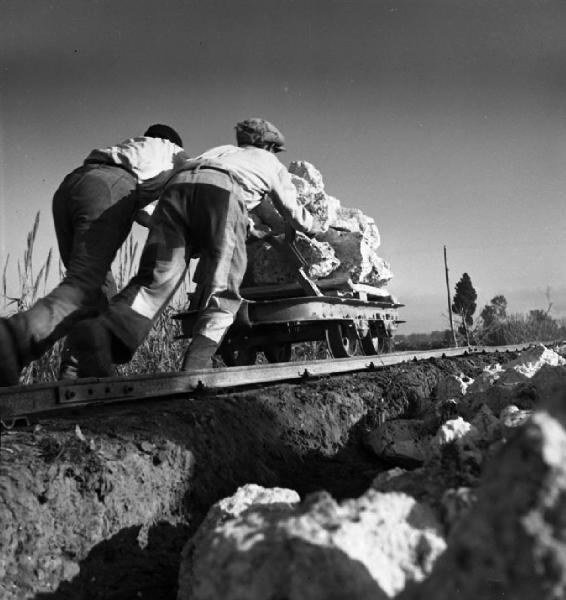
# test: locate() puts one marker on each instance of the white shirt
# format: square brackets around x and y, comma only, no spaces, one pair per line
[260,173]
[145,157]
[151,160]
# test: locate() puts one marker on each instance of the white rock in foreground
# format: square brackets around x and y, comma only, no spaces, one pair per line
[455,430]
[529,363]
[363,549]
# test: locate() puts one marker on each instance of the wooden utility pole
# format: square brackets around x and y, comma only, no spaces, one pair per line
[449,301]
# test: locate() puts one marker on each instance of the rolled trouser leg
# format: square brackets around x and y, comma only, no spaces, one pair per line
[219,294]
[199,353]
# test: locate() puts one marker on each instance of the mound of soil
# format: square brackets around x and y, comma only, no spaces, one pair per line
[98,502]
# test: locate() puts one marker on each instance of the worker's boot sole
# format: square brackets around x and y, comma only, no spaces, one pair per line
[10,366]
[90,343]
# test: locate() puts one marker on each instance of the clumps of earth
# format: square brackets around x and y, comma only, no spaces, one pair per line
[440,479]
[347,249]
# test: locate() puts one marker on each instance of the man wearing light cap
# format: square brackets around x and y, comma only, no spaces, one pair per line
[202,212]
[93,211]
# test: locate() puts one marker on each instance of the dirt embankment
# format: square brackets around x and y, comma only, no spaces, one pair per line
[98,503]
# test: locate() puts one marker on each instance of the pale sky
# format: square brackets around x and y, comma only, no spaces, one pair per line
[445,120]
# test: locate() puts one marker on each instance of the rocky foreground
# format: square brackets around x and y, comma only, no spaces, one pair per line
[444,479]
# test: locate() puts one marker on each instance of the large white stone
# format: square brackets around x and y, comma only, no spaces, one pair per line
[520,370]
[246,496]
[266,266]
[529,362]
[352,235]
[455,431]
[362,549]
[324,208]
[308,172]
[358,257]
[353,219]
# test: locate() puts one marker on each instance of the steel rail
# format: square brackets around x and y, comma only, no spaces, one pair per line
[25,400]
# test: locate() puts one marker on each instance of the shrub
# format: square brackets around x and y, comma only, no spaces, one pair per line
[536,326]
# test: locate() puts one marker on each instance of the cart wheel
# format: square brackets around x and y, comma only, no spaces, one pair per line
[277,353]
[233,357]
[341,340]
[375,344]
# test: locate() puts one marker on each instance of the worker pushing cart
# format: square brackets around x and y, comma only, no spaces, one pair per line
[203,212]
[94,209]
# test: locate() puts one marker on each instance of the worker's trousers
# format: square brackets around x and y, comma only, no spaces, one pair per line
[200,213]
[93,212]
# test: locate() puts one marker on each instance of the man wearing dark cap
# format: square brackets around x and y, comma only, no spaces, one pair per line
[93,211]
[203,211]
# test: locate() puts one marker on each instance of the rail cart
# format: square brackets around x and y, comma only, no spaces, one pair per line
[272,318]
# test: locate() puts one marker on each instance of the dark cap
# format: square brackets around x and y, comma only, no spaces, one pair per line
[165,132]
[259,132]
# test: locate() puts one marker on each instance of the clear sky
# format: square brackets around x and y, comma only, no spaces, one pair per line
[445,120]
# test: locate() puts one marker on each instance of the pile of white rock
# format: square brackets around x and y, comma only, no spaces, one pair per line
[263,544]
[348,247]
[452,528]
[472,413]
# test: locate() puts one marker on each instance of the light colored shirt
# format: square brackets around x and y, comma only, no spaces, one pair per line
[145,157]
[260,173]
[152,160]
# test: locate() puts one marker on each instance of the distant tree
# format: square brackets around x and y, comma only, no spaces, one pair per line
[464,305]
[493,315]
[495,311]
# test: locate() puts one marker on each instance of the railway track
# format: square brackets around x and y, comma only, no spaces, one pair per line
[24,401]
